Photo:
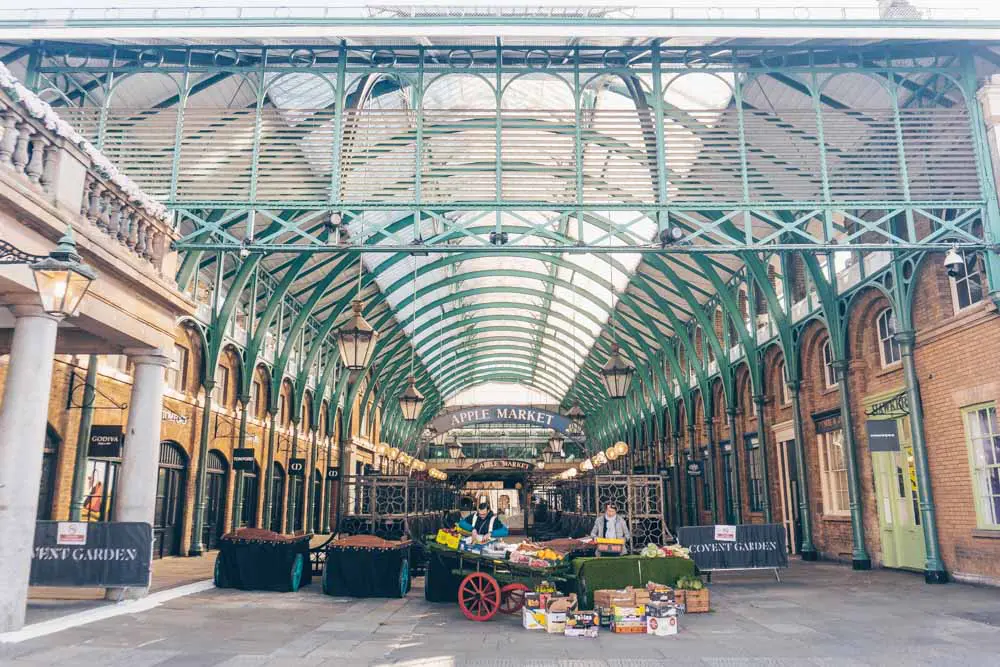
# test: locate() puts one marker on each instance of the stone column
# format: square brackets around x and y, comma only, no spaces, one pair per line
[135,493]
[23,417]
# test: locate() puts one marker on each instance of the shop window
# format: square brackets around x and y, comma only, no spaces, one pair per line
[888,347]
[833,472]
[178,371]
[983,437]
[102,475]
[755,474]
[967,286]
[829,372]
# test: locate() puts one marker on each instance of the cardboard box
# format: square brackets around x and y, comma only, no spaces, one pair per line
[583,619]
[609,597]
[589,632]
[640,596]
[533,600]
[660,609]
[620,612]
[662,595]
[661,627]
[604,616]
[533,619]
[629,625]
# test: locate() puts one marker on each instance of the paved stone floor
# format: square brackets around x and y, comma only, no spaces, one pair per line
[821,614]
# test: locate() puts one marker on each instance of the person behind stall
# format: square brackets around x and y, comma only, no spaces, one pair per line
[610,525]
[484,524]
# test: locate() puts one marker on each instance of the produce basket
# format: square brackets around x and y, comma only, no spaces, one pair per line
[697,602]
[610,546]
[367,566]
[260,560]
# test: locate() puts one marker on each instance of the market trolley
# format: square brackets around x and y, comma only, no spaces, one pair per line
[491,585]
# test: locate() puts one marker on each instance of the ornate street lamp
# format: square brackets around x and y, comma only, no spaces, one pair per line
[611,453]
[356,339]
[411,401]
[617,373]
[621,449]
[455,449]
[61,277]
[556,444]
[547,455]
[576,415]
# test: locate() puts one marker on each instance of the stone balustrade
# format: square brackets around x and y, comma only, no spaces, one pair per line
[69,178]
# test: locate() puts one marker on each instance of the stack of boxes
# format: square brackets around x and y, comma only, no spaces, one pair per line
[652,610]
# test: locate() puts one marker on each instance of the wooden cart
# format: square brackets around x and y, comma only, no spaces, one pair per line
[491,585]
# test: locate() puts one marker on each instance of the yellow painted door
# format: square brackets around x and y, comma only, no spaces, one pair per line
[898,504]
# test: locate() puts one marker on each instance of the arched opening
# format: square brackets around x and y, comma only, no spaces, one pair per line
[168,511]
[277,497]
[251,492]
[215,510]
[317,501]
[47,486]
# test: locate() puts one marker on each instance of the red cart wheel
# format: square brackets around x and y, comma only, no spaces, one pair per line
[512,598]
[479,596]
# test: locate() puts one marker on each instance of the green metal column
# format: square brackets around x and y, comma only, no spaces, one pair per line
[310,484]
[859,555]
[934,572]
[201,475]
[268,473]
[692,509]
[327,486]
[238,484]
[83,440]
[806,549]
[710,500]
[736,502]
[760,400]
[678,475]
[290,514]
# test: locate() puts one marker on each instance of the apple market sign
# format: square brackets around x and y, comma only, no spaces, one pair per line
[501,414]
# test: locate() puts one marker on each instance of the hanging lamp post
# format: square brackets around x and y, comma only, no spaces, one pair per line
[556,444]
[356,339]
[411,401]
[617,372]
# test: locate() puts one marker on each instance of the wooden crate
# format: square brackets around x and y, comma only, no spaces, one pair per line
[697,602]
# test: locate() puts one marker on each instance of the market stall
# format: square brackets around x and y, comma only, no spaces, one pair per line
[367,566]
[261,560]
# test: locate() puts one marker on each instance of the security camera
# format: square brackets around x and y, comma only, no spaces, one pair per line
[954,263]
[245,247]
[670,235]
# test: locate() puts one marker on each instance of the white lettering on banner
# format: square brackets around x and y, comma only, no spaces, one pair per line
[725,533]
[81,553]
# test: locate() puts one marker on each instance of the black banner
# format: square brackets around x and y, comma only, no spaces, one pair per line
[243,459]
[333,473]
[105,442]
[297,467]
[883,435]
[71,553]
[749,546]
[694,468]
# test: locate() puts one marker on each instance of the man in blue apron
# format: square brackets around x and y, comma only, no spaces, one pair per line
[484,524]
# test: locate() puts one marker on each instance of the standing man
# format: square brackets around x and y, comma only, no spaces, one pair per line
[610,525]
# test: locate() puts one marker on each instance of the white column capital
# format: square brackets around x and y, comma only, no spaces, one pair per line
[29,309]
[155,357]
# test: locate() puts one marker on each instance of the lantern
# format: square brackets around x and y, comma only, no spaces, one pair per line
[611,453]
[411,401]
[356,340]
[617,373]
[61,278]
[621,449]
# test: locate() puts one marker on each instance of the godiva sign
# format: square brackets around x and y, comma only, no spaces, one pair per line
[500,414]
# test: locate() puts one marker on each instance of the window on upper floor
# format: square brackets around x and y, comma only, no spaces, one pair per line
[220,392]
[829,372]
[256,391]
[283,414]
[888,347]
[755,474]
[783,393]
[177,372]
[983,438]
[967,286]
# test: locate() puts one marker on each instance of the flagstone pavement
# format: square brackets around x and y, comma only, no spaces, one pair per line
[820,614]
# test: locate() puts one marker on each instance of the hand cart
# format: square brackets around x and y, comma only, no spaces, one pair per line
[491,585]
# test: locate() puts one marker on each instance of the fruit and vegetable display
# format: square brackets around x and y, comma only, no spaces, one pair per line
[687,583]
[669,551]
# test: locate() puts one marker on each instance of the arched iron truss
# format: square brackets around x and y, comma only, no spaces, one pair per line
[571,152]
